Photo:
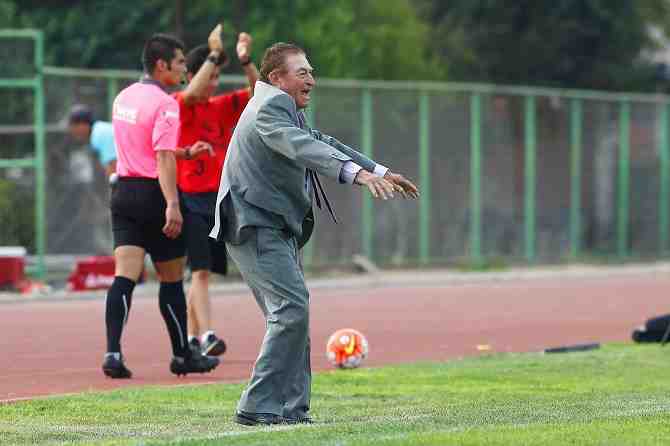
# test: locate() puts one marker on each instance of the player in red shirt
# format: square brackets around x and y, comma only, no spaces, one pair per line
[209,118]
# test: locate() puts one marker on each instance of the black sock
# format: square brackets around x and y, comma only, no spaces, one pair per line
[172,303]
[117,308]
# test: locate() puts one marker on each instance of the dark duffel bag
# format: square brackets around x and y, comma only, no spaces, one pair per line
[653,330]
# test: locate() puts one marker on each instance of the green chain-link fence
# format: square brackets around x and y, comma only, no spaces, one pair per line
[510,174]
[22,146]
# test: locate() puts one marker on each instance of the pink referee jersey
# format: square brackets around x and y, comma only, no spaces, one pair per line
[145,120]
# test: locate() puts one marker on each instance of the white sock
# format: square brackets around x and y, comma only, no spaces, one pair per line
[205,335]
[115,355]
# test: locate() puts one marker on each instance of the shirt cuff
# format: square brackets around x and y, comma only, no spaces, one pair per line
[380,170]
[349,172]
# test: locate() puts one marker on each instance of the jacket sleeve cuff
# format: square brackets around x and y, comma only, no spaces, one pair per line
[380,170]
[349,172]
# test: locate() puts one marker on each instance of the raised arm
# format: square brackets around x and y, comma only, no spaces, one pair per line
[244,56]
[195,89]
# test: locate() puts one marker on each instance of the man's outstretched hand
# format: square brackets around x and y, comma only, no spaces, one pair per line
[402,185]
[378,186]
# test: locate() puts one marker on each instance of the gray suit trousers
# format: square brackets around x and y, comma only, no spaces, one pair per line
[281,379]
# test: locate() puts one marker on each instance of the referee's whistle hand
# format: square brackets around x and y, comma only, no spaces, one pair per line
[173,222]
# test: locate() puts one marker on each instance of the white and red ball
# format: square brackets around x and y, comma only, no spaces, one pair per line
[347,348]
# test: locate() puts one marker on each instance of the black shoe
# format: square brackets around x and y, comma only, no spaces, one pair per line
[194,345]
[301,420]
[213,346]
[643,336]
[115,368]
[256,419]
[197,363]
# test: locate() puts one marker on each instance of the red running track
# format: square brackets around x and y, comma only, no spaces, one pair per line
[57,347]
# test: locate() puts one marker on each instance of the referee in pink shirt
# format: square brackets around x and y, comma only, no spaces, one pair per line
[145,205]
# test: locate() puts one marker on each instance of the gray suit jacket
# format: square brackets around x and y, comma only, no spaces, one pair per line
[264,174]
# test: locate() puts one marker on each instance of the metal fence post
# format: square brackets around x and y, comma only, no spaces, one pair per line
[624,180]
[575,176]
[367,222]
[529,177]
[424,177]
[663,186]
[40,161]
[475,178]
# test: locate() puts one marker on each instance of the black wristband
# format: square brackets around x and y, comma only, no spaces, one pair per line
[244,64]
[216,60]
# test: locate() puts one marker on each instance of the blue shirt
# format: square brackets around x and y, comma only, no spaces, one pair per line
[102,141]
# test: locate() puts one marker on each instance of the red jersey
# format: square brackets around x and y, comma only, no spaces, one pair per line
[213,122]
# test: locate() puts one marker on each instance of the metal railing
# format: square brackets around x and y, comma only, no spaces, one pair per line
[471,105]
[35,160]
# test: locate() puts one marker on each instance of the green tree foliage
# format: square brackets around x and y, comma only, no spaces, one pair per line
[94,34]
[7,12]
[569,43]
[381,39]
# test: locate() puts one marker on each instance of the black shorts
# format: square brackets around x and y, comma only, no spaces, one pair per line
[203,252]
[138,217]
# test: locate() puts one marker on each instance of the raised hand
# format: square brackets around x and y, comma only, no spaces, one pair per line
[215,41]
[243,47]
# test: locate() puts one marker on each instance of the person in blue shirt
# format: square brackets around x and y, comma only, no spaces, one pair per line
[98,134]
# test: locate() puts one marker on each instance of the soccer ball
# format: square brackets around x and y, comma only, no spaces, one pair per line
[347,348]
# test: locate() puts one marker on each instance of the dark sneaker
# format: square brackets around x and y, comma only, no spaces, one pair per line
[115,368]
[194,345]
[213,346]
[197,363]
[255,419]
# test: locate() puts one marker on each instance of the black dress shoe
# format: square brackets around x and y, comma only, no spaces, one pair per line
[302,420]
[255,419]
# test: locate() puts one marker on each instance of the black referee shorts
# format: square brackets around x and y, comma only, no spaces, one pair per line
[138,217]
[203,252]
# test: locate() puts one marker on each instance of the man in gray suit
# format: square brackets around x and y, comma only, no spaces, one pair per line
[264,213]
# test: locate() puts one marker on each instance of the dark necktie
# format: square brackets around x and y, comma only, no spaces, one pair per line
[311,178]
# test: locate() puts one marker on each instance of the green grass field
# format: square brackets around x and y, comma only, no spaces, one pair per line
[617,395]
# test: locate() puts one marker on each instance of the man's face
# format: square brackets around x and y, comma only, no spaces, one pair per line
[297,79]
[173,73]
[80,131]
